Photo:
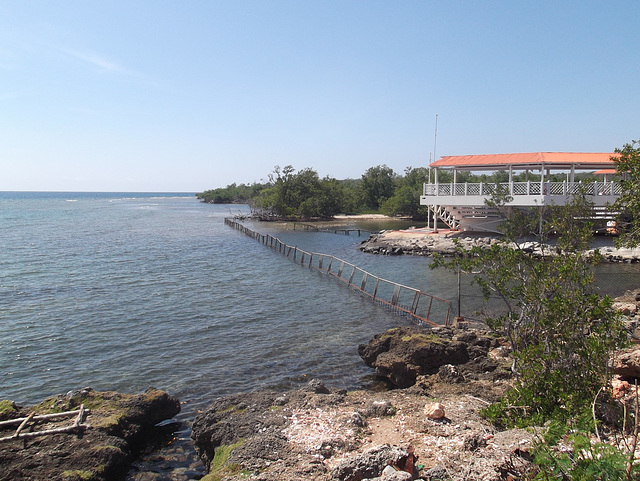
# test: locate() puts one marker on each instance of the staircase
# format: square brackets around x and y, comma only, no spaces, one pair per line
[482,218]
[447,214]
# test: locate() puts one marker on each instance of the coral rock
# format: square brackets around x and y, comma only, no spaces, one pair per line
[434,411]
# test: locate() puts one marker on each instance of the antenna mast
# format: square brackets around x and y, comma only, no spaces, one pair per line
[435,139]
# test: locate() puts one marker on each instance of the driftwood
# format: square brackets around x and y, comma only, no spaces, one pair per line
[35,434]
[77,425]
[80,417]
[24,423]
[44,417]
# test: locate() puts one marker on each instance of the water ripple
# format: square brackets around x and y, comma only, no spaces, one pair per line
[136,291]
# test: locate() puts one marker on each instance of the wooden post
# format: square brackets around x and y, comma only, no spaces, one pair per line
[375,291]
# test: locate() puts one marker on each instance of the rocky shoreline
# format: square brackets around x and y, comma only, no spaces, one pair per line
[426,425]
[423,242]
[116,429]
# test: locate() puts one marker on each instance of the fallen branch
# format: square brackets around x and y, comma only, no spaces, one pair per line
[487,403]
[24,423]
[44,417]
[76,426]
[67,429]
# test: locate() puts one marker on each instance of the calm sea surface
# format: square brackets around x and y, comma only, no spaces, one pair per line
[126,291]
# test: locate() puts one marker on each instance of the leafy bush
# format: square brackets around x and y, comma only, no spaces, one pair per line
[564,453]
[560,331]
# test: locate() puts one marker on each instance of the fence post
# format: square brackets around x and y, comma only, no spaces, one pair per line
[363,284]
[353,273]
[416,299]
[429,310]
[396,295]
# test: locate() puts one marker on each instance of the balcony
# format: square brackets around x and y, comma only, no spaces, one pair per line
[529,193]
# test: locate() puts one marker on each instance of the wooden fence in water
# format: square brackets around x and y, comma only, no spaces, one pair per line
[423,308]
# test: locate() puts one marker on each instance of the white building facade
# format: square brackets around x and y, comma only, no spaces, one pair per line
[461,205]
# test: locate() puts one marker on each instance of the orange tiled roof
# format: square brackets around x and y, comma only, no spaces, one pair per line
[586,160]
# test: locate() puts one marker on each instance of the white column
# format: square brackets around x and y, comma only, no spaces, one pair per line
[511,180]
[435,218]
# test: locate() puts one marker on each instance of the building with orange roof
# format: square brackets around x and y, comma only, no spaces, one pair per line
[462,206]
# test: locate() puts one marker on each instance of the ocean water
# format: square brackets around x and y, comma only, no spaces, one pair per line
[127,291]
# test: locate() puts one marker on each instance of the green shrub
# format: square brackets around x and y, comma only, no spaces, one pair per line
[575,454]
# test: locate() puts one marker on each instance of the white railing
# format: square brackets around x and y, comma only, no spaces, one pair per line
[523,188]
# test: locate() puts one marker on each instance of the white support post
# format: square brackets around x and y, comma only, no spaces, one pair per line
[510,179]
[435,218]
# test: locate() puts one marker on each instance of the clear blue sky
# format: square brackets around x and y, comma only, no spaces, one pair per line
[191,95]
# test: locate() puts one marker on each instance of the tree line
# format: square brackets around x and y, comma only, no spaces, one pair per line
[302,194]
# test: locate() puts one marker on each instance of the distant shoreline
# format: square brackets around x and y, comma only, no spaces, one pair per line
[425,242]
[365,217]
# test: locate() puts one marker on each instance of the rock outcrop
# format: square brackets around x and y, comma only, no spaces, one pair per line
[403,354]
[120,427]
[329,435]
[626,363]
[421,243]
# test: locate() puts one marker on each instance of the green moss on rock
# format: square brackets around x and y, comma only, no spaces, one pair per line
[423,338]
[7,408]
[77,475]
[219,467]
